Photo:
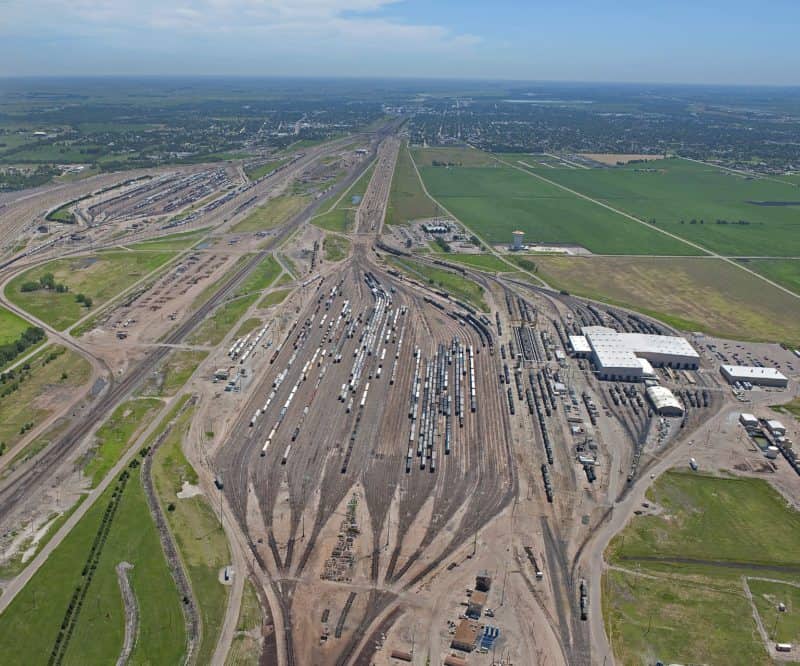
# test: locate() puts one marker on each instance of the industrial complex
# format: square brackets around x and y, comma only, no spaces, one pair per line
[632,356]
[354,443]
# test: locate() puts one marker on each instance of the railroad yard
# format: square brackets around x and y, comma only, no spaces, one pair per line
[401,475]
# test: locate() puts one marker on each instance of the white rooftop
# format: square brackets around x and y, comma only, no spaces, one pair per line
[662,397]
[580,344]
[620,350]
[748,372]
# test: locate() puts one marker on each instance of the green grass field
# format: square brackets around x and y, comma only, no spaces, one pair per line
[55,373]
[248,326]
[678,622]
[673,190]
[214,328]
[457,156]
[116,435]
[11,326]
[792,408]
[493,202]
[171,243]
[245,649]
[261,277]
[335,248]
[273,213]
[785,272]
[264,169]
[198,534]
[337,219]
[677,592]
[29,626]
[781,627]
[732,527]
[692,294]
[274,298]
[407,200]
[176,370]
[101,277]
[483,262]
[456,285]
[342,216]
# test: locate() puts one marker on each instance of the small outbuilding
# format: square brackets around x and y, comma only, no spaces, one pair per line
[466,636]
[776,427]
[748,420]
[664,401]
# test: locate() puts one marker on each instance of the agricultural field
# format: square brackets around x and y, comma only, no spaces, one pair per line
[493,202]
[336,248]
[698,202]
[407,199]
[273,213]
[785,272]
[29,626]
[675,591]
[456,285]
[694,294]
[28,395]
[197,533]
[100,277]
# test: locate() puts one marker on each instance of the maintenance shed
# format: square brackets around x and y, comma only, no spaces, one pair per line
[748,420]
[664,401]
[755,375]
[466,636]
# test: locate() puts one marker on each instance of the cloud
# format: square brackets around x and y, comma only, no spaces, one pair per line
[284,20]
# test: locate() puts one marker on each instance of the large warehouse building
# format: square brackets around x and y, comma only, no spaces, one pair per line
[631,356]
[755,375]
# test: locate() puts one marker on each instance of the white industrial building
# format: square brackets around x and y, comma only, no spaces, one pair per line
[755,375]
[776,427]
[631,356]
[748,420]
[664,401]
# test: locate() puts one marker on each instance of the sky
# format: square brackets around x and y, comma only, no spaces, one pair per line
[660,41]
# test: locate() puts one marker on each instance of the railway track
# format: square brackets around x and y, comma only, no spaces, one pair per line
[39,471]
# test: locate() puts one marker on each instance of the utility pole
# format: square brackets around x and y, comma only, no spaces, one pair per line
[503,594]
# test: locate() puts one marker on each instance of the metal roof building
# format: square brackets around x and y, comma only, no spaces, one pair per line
[631,356]
[755,375]
[664,402]
[580,345]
